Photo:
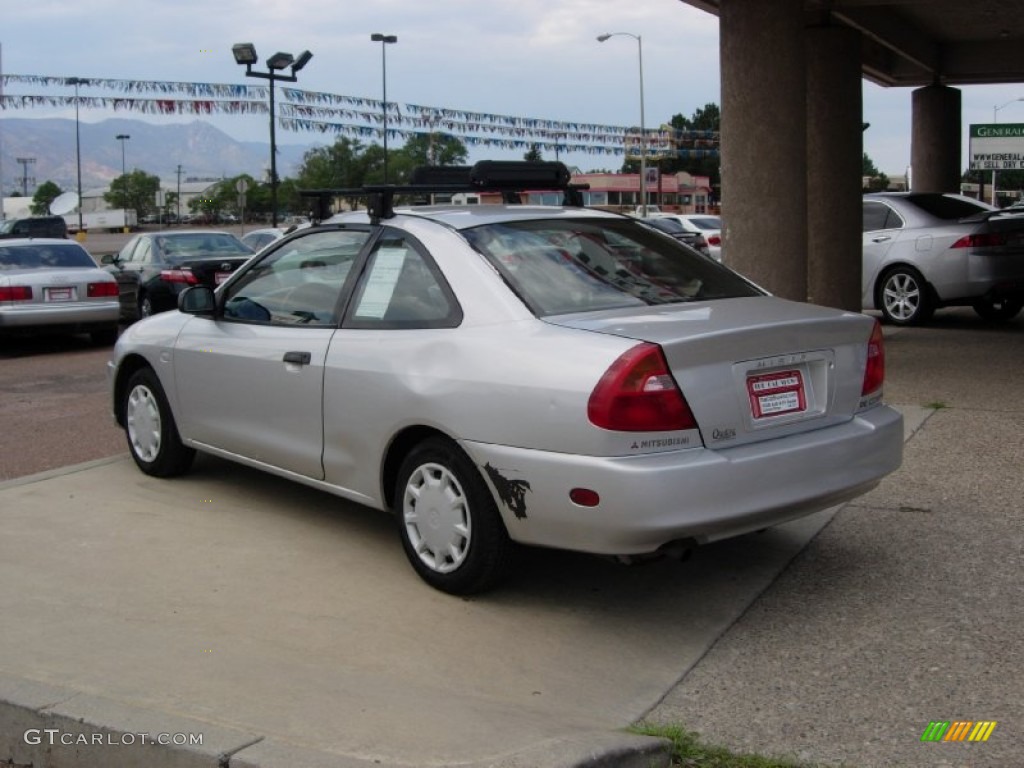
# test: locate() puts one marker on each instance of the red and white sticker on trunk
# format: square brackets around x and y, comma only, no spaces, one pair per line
[776,394]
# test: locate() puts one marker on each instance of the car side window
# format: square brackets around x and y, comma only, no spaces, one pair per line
[402,288]
[298,283]
[876,216]
[143,252]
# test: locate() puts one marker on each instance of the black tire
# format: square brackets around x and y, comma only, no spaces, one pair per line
[450,527]
[998,310]
[153,438]
[104,337]
[904,297]
[145,306]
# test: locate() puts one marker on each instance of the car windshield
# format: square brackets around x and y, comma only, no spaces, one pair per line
[6,226]
[558,266]
[948,208]
[215,243]
[39,255]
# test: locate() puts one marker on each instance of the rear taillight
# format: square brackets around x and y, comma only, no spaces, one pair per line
[638,394]
[99,290]
[715,240]
[874,372]
[16,293]
[980,240]
[179,276]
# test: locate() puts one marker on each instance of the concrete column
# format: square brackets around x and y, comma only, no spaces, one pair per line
[935,139]
[834,165]
[764,143]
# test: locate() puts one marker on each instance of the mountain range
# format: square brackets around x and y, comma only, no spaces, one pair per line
[202,150]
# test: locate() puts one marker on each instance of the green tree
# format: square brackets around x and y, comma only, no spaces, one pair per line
[706,118]
[45,194]
[533,155]
[433,149]
[134,191]
[876,181]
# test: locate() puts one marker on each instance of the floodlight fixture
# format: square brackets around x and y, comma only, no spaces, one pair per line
[280,61]
[301,61]
[245,53]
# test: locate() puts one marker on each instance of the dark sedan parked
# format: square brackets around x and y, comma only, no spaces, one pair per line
[153,268]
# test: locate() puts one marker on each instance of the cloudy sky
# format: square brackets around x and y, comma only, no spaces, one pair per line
[526,58]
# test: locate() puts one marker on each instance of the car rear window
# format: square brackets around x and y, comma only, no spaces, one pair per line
[202,243]
[559,266]
[949,208]
[709,222]
[41,256]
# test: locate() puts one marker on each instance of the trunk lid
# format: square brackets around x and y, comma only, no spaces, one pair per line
[752,368]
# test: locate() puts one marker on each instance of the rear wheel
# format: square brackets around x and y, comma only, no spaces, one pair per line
[998,310]
[450,527]
[904,298]
[153,438]
[145,306]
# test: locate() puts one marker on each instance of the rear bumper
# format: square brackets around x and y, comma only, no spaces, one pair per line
[697,494]
[53,316]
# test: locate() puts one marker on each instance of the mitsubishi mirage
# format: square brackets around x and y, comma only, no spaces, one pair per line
[498,376]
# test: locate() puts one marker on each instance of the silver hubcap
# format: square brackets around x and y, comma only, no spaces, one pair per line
[146,308]
[902,296]
[142,417]
[437,518]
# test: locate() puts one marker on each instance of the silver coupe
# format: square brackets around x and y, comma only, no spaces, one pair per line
[498,375]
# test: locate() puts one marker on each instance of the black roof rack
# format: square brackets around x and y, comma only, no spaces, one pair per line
[508,177]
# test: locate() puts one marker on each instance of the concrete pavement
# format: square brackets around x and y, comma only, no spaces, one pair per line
[284,627]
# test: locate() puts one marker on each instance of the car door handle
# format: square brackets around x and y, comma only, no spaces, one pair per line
[299,358]
[880,239]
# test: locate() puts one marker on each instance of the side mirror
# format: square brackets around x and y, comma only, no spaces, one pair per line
[197,300]
[109,258]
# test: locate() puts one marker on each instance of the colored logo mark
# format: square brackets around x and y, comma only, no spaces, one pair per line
[958,730]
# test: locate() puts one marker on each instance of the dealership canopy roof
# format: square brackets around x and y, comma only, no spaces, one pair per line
[921,42]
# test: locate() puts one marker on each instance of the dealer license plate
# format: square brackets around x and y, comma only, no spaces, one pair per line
[62,293]
[776,394]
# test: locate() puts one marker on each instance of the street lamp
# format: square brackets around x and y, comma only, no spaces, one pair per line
[245,53]
[643,130]
[77,81]
[384,40]
[995,119]
[123,137]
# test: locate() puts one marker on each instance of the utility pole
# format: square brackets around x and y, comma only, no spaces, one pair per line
[179,193]
[25,163]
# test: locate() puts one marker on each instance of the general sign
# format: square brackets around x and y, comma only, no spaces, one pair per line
[997,147]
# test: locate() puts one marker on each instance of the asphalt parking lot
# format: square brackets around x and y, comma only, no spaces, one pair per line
[286,627]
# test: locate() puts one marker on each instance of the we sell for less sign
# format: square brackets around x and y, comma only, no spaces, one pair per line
[997,147]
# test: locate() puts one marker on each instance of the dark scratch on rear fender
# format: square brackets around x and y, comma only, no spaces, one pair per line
[511,492]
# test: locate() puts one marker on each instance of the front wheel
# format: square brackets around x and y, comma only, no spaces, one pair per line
[998,310]
[450,527]
[153,438]
[904,297]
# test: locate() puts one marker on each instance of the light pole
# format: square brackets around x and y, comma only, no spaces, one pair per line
[995,119]
[123,137]
[643,130]
[245,53]
[384,41]
[77,81]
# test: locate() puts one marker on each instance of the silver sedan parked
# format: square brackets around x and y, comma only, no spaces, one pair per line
[493,375]
[925,251]
[55,286]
